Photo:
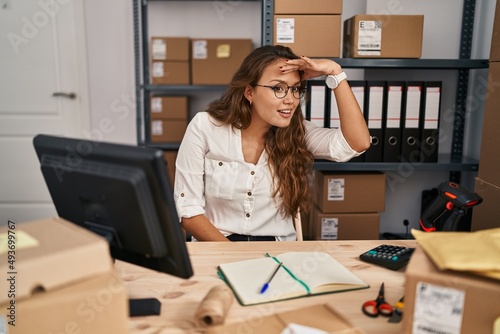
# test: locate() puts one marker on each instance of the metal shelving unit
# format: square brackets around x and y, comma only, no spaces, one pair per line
[143,86]
[455,162]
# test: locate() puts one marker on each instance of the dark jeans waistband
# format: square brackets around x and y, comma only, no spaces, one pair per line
[241,237]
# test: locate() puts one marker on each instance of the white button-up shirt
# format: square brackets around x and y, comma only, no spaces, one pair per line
[212,178]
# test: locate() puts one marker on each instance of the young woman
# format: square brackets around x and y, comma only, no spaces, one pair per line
[243,165]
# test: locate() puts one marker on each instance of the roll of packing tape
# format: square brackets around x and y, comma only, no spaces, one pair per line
[215,306]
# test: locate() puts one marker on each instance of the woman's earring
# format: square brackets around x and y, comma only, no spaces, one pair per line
[250,102]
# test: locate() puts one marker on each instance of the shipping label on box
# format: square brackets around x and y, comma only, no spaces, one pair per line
[285,30]
[438,309]
[369,38]
[159,49]
[158,69]
[329,228]
[200,50]
[336,189]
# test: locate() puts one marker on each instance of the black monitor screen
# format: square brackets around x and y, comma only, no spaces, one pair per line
[120,192]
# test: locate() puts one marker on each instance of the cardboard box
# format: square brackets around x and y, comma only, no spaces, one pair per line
[309,35]
[322,317]
[489,160]
[167,130]
[344,226]
[214,61]
[447,301]
[383,36]
[169,107]
[349,192]
[170,48]
[308,7]
[60,280]
[495,37]
[485,215]
[170,72]
[170,157]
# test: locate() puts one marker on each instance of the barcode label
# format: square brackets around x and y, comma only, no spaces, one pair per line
[285,30]
[369,38]
[329,228]
[336,189]
[438,309]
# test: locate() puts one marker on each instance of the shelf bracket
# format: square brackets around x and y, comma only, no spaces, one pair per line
[267,21]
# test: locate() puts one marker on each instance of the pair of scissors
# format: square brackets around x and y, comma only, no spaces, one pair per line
[373,308]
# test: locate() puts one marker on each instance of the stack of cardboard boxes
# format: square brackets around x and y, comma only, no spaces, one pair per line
[310,28]
[447,301]
[201,61]
[346,206]
[487,184]
[170,61]
[186,61]
[59,278]
[169,119]
[170,65]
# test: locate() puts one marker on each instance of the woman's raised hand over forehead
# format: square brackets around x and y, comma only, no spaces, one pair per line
[311,68]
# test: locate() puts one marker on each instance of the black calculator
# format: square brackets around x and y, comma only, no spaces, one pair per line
[388,256]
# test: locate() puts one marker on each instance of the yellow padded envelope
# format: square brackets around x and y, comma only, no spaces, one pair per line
[474,252]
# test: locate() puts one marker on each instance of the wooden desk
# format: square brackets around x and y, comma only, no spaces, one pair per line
[180,298]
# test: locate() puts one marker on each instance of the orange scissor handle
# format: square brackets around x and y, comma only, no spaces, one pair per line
[373,308]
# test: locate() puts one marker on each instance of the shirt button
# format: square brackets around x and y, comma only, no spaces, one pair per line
[248,215]
[182,194]
[252,173]
[249,193]
[220,163]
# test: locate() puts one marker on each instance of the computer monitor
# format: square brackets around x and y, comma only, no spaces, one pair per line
[120,192]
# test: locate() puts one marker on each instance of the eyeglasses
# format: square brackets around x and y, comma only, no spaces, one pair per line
[280,90]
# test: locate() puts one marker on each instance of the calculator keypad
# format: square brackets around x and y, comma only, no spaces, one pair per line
[389,256]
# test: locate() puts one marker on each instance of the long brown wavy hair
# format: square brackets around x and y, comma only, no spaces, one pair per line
[289,160]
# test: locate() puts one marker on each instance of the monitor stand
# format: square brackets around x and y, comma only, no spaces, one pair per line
[144,307]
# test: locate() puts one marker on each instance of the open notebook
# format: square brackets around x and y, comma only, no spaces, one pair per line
[302,274]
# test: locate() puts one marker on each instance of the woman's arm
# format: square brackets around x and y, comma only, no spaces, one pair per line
[189,183]
[352,122]
[202,229]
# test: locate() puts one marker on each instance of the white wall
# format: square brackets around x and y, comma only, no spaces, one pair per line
[111,68]
[110,57]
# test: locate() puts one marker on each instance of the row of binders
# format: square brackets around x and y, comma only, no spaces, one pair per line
[402,116]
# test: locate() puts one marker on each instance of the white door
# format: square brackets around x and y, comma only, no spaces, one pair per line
[40,55]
